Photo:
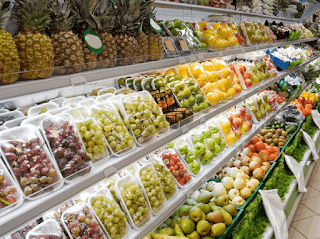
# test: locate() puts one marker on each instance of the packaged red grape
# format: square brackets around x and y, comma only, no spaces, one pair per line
[79,221]
[22,231]
[49,229]
[29,161]
[65,143]
[11,195]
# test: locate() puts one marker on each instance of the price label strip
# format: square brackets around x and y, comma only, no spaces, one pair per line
[78,80]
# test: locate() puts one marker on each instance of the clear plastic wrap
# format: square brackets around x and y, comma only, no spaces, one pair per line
[113,128]
[43,108]
[66,146]
[48,229]
[8,116]
[130,169]
[72,102]
[91,134]
[169,183]
[110,184]
[104,97]
[11,195]
[22,231]
[30,161]
[87,102]
[58,100]
[132,201]
[109,214]
[79,221]
[35,120]
[59,110]
[143,116]
[14,123]
[109,90]
[151,186]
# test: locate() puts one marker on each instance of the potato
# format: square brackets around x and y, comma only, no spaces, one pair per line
[269,135]
[279,131]
[273,131]
[281,144]
[284,133]
[276,141]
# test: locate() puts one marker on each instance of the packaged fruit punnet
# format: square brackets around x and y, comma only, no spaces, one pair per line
[11,195]
[225,128]
[66,146]
[109,214]
[183,71]
[79,221]
[43,108]
[85,194]
[177,167]
[11,115]
[129,83]
[151,187]
[72,102]
[87,102]
[132,201]
[143,116]
[49,229]
[119,139]
[237,33]
[59,110]
[56,213]
[170,186]
[240,120]
[219,36]
[110,184]
[198,73]
[58,100]
[137,84]
[14,123]
[253,109]
[212,130]
[130,169]
[22,231]
[109,90]
[103,98]
[91,134]
[190,156]
[35,120]
[146,84]
[22,147]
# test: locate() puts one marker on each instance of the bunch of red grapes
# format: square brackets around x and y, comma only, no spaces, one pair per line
[7,193]
[30,164]
[67,148]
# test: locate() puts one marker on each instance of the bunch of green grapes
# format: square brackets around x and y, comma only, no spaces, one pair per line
[109,183]
[114,130]
[113,219]
[135,202]
[153,187]
[145,117]
[93,139]
[166,179]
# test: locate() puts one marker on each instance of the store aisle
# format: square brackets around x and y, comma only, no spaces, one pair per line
[306,222]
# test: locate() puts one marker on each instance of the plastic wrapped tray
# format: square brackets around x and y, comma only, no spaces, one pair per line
[82,118]
[35,120]
[87,102]
[15,195]
[110,184]
[58,100]
[72,102]
[108,196]
[14,123]
[11,115]
[104,97]
[119,188]
[22,231]
[130,169]
[29,138]
[59,110]
[108,90]
[43,108]
[81,212]
[49,229]
[66,146]
[113,128]
[146,190]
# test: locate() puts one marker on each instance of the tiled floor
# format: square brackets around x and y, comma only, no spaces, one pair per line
[306,222]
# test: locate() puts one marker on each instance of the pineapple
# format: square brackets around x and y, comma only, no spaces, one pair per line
[103,14]
[143,47]
[67,46]
[128,21]
[34,48]
[9,57]
[81,12]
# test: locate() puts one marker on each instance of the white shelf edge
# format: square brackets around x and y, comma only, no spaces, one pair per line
[30,209]
[24,88]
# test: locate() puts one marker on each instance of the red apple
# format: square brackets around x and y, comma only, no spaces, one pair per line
[249,124]
[247,75]
[248,83]
[237,122]
[242,69]
[237,133]
[231,67]
[230,119]
[247,116]
[301,99]
[242,112]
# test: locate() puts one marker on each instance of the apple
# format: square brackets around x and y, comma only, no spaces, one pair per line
[247,151]
[258,159]
[245,193]
[266,164]
[258,173]
[183,150]
[210,143]
[200,148]
[237,163]
[237,133]
[248,83]
[247,116]
[227,182]
[237,122]
[255,181]
[230,118]
[249,124]
[251,185]
[198,138]
[264,168]
[238,183]
[242,69]
[217,149]
[233,172]
[245,161]
[238,201]
[207,157]
[213,129]
[216,137]
[191,156]
[207,134]
[219,190]
[233,193]
[247,75]
[254,165]
[194,167]
[242,112]
[245,169]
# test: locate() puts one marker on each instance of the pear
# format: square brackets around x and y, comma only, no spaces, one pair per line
[195,214]
[194,235]
[206,208]
[217,230]
[215,217]
[203,228]
[187,225]
[231,209]
[205,197]
[226,216]
[167,231]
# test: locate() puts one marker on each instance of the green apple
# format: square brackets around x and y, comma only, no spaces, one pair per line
[207,134]
[192,100]
[213,129]
[217,149]
[183,150]
[191,156]
[196,108]
[185,103]
[222,145]
[203,105]
[200,148]
[210,143]
[207,157]
[194,167]
[216,137]
[198,138]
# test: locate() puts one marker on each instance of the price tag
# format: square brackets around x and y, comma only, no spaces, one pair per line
[110,170]
[78,80]
[297,171]
[184,45]
[311,144]
[169,45]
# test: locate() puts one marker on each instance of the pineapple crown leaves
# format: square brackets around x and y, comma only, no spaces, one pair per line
[104,13]
[4,7]
[32,15]
[60,12]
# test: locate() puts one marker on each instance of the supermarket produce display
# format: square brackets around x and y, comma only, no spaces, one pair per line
[149,119]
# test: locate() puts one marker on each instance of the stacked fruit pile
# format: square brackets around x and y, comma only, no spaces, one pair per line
[305,102]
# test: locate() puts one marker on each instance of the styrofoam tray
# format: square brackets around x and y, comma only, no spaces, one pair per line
[16,114]
[26,133]
[48,227]
[103,98]
[109,90]
[36,110]
[58,100]
[72,102]
[59,110]
[87,102]
[35,120]
[14,123]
